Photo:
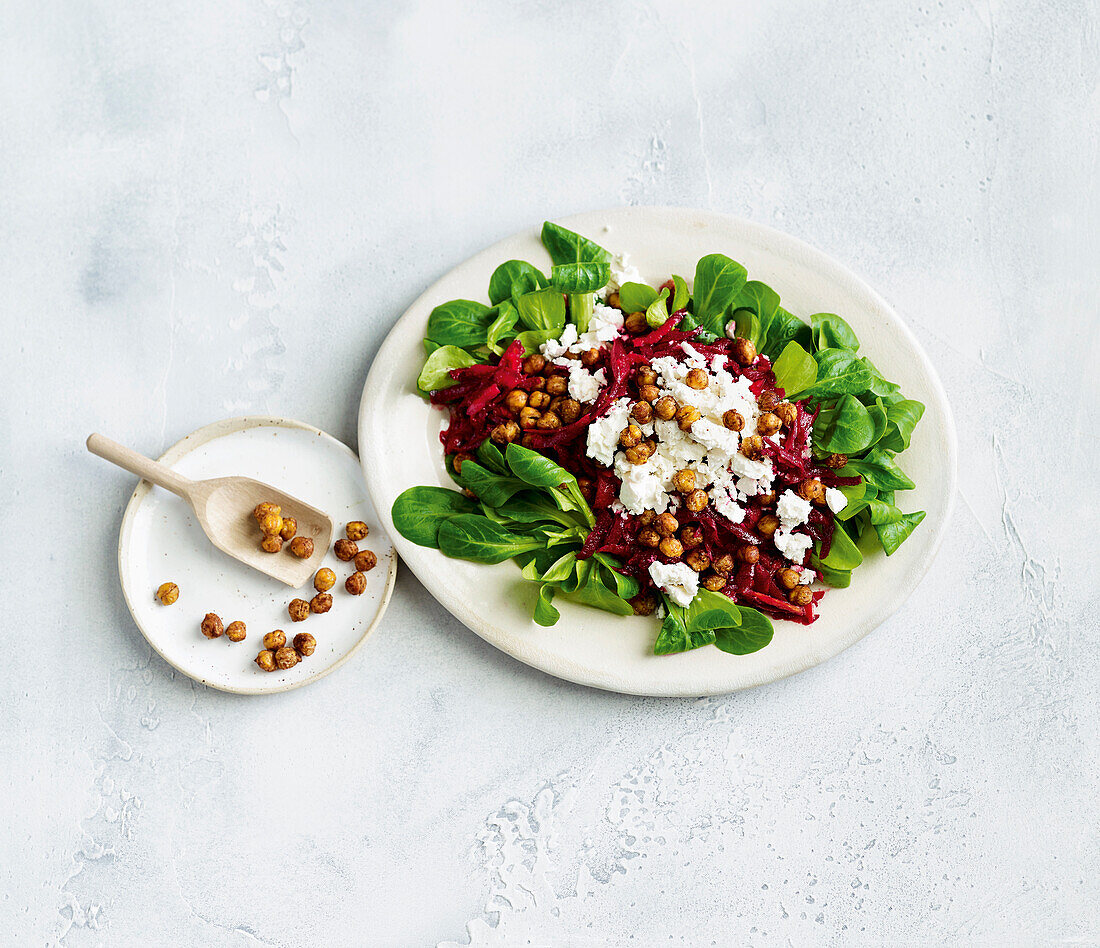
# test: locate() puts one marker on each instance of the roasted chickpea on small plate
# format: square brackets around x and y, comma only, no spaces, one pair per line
[212,617]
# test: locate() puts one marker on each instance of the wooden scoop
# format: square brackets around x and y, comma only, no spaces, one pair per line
[223,507]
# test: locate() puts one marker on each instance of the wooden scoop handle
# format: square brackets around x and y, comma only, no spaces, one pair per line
[139,464]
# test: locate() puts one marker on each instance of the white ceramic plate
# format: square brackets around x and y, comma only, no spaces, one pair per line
[398,438]
[161,542]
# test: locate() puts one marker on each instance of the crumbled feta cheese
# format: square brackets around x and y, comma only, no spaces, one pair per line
[556,348]
[835,499]
[583,385]
[678,580]
[731,329]
[793,511]
[604,326]
[792,545]
[806,576]
[727,506]
[715,437]
[603,433]
[623,271]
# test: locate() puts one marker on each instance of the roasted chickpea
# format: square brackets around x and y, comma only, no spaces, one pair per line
[649,393]
[667,524]
[768,423]
[743,351]
[569,410]
[715,582]
[320,604]
[459,459]
[644,604]
[356,530]
[302,547]
[733,420]
[290,528]
[266,660]
[687,416]
[365,561]
[747,553]
[286,658]
[274,641]
[836,461]
[724,564]
[691,536]
[649,446]
[812,490]
[768,498]
[515,400]
[801,596]
[768,400]
[168,593]
[630,436]
[637,454]
[642,412]
[787,578]
[324,580]
[666,408]
[211,625]
[236,631]
[647,536]
[587,488]
[528,417]
[305,644]
[505,433]
[613,300]
[534,363]
[529,442]
[556,385]
[262,510]
[548,421]
[696,500]
[647,517]
[752,446]
[298,609]
[697,560]
[538,383]
[636,323]
[539,400]
[356,583]
[787,412]
[271,544]
[645,375]
[767,525]
[671,547]
[684,481]
[696,378]
[271,524]
[345,550]
[590,357]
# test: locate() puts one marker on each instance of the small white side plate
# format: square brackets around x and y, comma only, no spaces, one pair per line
[399,440]
[161,542]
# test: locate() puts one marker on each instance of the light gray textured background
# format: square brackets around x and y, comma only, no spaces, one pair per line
[218,207]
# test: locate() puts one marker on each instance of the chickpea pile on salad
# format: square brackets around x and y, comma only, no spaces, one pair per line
[703,454]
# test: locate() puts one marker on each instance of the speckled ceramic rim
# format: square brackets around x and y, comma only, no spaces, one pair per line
[430,567]
[184,447]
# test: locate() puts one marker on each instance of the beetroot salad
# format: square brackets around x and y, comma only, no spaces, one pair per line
[699,454]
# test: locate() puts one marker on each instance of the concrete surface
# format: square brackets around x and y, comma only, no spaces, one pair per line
[220,207]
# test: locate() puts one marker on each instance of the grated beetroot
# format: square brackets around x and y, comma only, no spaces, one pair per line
[476,405]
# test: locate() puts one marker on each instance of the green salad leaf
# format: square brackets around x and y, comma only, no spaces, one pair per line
[832,332]
[565,246]
[542,309]
[418,512]
[461,323]
[436,372]
[514,278]
[580,277]
[636,297]
[718,279]
[795,369]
